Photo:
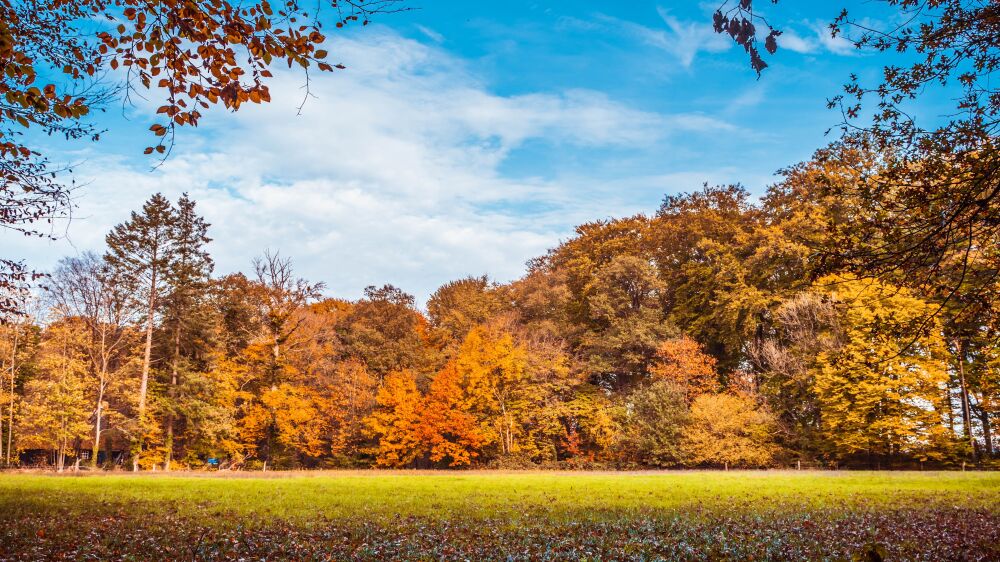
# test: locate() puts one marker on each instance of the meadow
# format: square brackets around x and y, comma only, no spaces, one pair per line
[373,515]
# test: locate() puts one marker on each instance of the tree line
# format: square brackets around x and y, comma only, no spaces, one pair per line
[715,332]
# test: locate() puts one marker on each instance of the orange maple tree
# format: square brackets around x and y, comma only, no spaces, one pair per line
[683,361]
[448,426]
[396,420]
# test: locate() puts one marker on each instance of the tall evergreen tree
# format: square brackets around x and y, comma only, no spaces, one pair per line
[140,250]
[187,277]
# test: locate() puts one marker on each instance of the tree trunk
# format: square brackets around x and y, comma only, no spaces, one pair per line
[984,419]
[96,447]
[10,409]
[951,407]
[147,356]
[61,455]
[109,451]
[966,411]
[173,392]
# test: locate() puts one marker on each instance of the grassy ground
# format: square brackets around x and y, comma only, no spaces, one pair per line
[482,515]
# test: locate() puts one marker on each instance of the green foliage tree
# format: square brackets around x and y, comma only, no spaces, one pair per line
[386,332]
[656,422]
[627,320]
[185,314]
[139,251]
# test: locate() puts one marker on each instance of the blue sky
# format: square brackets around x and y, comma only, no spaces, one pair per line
[468,137]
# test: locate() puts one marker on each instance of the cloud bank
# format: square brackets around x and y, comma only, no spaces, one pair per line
[395,171]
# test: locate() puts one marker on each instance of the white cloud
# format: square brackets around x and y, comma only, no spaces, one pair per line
[838,45]
[687,39]
[821,39]
[431,34]
[682,39]
[792,41]
[393,173]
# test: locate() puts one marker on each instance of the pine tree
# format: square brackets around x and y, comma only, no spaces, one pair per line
[187,277]
[139,250]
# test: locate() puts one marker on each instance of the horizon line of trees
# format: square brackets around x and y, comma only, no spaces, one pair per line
[715,332]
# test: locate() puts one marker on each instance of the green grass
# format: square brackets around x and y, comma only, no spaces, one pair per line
[618,515]
[385,495]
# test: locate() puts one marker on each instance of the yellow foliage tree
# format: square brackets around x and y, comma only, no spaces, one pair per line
[287,417]
[728,430]
[56,407]
[396,420]
[493,368]
[881,391]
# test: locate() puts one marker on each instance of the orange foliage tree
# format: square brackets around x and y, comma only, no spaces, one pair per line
[448,426]
[396,421]
[286,419]
[683,361]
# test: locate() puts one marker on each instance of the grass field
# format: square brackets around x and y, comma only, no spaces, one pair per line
[482,515]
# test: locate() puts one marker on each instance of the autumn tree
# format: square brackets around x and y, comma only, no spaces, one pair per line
[493,367]
[286,420]
[785,358]
[396,421]
[350,397]
[881,395]
[18,345]
[728,430]
[278,296]
[543,301]
[724,268]
[681,362]
[447,424]
[56,408]
[984,390]
[267,316]
[458,306]
[86,290]
[932,198]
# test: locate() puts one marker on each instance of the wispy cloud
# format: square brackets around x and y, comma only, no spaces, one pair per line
[792,41]
[681,38]
[820,40]
[838,45]
[431,34]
